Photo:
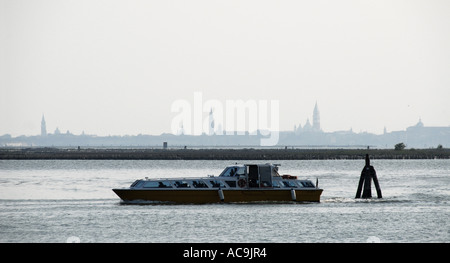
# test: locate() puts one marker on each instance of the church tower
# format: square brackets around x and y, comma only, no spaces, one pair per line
[316,119]
[211,123]
[43,126]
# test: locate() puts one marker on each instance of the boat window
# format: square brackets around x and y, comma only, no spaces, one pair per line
[266,184]
[227,172]
[307,184]
[233,171]
[289,184]
[157,184]
[218,184]
[265,175]
[240,171]
[276,184]
[135,183]
[275,172]
[164,184]
[231,183]
[150,184]
[199,184]
[182,184]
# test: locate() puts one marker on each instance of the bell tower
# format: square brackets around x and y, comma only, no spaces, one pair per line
[43,127]
[211,123]
[316,119]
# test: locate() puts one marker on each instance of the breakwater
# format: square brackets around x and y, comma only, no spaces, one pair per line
[216,154]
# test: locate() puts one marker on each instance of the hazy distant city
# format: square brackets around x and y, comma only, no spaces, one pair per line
[308,135]
[117,72]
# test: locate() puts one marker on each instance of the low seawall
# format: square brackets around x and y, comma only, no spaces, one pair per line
[216,154]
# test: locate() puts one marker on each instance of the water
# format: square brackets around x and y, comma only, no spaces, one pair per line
[60,201]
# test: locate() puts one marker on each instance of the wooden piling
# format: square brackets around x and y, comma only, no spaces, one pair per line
[365,181]
[367,190]
[377,185]
[360,185]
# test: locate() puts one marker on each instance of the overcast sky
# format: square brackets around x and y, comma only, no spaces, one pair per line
[115,67]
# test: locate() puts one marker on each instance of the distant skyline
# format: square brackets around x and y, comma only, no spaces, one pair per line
[306,127]
[115,67]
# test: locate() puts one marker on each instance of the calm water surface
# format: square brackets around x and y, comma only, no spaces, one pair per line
[59,201]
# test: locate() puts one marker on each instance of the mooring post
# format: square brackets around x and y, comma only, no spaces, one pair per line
[367,191]
[358,191]
[365,181]
[377,185]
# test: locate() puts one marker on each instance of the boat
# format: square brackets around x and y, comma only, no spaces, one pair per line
[236,183]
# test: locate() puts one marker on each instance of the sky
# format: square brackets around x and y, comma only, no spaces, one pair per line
[116,67]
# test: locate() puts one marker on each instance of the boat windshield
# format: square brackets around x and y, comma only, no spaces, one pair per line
[233,171]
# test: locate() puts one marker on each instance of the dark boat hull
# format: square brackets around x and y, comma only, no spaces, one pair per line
[214,196]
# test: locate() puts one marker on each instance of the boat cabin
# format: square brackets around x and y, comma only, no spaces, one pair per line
[235,176]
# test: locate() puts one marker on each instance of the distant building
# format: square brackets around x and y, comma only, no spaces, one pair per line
[315,127]
[211,123]
[180,129]
[43,127]
[308,127]
[316,119]
[417,126]
[417,135]
[423,136]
